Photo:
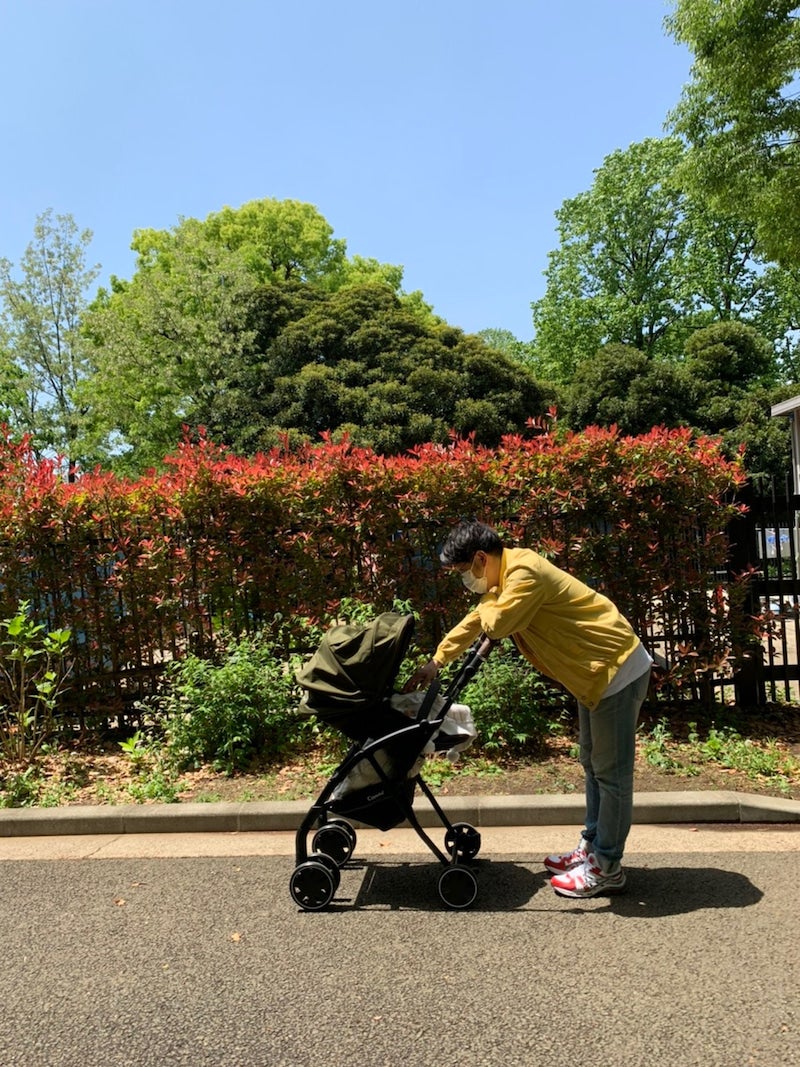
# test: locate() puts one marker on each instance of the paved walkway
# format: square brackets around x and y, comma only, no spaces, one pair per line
[528,842]
[184,949]
[168,937]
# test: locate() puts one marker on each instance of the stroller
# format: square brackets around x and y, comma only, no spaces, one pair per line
[349,685]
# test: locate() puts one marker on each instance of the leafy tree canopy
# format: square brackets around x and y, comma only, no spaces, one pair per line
[620,386]
[644,264]
[157,341]
[43,355]
[205,296]
[724,387]
[728,355]
[359,362]
[612,278]
[741,115]
[734,371]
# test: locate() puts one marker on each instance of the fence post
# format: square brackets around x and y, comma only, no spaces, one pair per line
[748,679]
[749,682]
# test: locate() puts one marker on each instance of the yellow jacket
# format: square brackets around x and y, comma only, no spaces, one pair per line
[565,629]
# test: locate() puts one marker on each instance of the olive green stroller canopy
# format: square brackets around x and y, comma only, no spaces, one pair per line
[349,680]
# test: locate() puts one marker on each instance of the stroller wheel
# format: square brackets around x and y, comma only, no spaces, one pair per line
[458,887]
[348,829]
[313,884]
[462,840]
[335,839]
[331,864]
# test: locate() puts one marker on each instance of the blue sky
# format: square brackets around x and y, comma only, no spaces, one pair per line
[438,134]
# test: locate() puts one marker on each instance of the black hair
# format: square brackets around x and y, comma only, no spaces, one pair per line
[466,539]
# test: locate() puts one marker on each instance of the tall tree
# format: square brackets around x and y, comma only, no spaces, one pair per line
[741,115]
[205,297]
[612,278]
[158,341]
[359,361]
[46,357]
[642,264]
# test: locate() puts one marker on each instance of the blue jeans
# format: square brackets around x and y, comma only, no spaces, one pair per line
[607,752]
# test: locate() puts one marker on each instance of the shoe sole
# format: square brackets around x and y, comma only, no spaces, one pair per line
[595,891]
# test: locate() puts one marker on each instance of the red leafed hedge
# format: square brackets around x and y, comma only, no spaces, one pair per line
[140,570]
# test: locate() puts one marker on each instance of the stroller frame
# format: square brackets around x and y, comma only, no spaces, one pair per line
[387,803]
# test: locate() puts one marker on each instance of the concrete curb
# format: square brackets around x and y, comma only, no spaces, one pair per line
[679,807]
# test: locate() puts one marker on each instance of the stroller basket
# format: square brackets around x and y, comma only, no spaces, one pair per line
[349,685]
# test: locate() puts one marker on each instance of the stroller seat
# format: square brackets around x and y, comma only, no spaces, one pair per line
[454,736]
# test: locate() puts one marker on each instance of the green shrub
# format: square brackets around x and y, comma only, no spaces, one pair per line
[33,671]
[136,565]
[231,713]
[514,708]
[656,749]
[20,789]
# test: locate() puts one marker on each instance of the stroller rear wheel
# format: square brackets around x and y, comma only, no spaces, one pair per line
[458,887]
[462,840]
[336,839]
[313,884]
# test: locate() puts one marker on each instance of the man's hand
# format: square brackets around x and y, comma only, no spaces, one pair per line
[422,677]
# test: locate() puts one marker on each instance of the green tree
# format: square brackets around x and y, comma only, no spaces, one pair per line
[644,264]
[613,276]
[725,387]
[158,343]
[45,357]
[273,240]
[778,319]
[740,113]
[734,370]
[359,361]
[12,383]
[505,341]
[174,343]
[277,239]
[621,386]
[729,355]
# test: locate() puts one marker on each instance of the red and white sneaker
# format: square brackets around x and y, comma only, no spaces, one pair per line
[589,879]
[559,864]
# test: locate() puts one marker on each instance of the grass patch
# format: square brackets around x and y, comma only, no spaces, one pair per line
[762,759]
[439,771]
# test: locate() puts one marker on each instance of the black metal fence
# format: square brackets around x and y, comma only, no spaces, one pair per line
[765,542]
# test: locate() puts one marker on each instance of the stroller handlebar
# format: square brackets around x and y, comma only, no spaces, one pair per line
[478,654]
[483,646]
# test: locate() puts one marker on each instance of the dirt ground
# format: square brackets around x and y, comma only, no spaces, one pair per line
[108,776]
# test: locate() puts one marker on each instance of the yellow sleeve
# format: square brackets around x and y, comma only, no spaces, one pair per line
[499,614]
[458,639]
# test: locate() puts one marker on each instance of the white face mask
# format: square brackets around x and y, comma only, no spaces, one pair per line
[475,585]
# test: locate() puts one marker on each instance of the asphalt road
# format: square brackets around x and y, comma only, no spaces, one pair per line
[202,960]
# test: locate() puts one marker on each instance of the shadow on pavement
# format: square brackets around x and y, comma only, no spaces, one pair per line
[509,886]
[502,886]
[661,891]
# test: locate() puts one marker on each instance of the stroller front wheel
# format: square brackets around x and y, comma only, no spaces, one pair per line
[313,884]
[463,841]
[458,887]
[336,839]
